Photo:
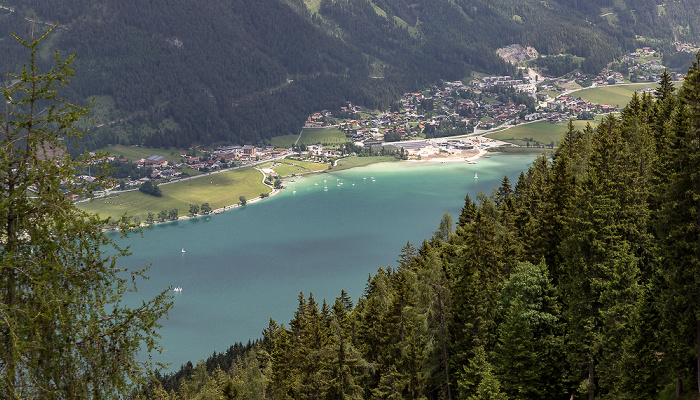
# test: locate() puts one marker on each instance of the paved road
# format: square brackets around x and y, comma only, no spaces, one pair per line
[248,164]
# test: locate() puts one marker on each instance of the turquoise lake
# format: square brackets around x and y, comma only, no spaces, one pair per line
[248,265]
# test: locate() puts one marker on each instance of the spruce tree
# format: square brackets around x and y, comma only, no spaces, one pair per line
[65,331]
[599,286]
[679,228]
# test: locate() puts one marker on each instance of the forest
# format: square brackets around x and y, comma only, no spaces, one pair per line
[581,280]
[181,73]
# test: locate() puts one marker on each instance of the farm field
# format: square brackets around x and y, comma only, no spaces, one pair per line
[218,189]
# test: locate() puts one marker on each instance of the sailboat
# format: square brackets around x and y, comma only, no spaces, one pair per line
[476,176]
[183,249]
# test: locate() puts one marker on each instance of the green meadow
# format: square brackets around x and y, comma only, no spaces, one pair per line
[284,142]
[355,161]
[540,131]
[324,136]
[218,189]
[288,167]
[135,153]
[613,95]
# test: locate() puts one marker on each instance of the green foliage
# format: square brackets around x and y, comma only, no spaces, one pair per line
[582,280]
[194,209]
[65,331]
[151,188]
[163,80]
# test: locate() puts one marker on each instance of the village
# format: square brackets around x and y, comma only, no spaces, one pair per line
[458,110]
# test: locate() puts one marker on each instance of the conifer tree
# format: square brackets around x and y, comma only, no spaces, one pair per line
[64,331]
[467,213]
[679,227]
[528,356]
[599,288]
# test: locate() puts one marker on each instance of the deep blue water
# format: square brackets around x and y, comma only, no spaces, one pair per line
[248,265]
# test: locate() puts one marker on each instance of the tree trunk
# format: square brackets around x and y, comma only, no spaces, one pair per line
[591,380]
[697,340]
[679,387]
[444,344]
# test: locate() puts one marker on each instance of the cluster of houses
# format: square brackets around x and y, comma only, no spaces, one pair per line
[687,47]
[222,157]
[477,110]
[520,85]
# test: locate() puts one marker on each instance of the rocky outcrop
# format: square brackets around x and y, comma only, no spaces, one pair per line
[516,53]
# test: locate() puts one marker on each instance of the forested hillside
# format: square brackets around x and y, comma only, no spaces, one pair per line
[579,281]
[178,73]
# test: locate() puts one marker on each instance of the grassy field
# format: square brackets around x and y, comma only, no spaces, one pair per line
[540,131]
[286,167]
[352,162]
[521,150]
[614,95]
[219,190]
[133,153]
[284,142]
[323,136]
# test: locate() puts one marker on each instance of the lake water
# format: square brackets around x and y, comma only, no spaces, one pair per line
[248,265]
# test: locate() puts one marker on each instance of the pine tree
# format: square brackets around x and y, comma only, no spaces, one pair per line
[467,213]
[604,233]
[477,270]
[64,331]
[679,227]
[528,356]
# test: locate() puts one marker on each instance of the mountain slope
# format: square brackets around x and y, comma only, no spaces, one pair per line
[178,73]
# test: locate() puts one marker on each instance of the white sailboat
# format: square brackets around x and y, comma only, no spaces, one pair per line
[183,249]
[476,176]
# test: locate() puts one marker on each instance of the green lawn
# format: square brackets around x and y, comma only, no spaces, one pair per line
[219,190]
[613,95]
[288,167]
[540,131]
[323,136]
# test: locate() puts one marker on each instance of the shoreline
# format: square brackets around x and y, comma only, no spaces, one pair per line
[463,156]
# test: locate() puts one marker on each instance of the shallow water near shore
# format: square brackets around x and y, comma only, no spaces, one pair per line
[247,265]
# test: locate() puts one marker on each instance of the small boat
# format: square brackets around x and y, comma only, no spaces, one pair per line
[315,184]
[325,190]
[183,249]
[294,191]
[476,176]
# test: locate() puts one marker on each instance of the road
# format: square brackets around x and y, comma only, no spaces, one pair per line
[249,164]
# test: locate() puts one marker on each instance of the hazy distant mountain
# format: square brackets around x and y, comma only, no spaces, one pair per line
[176,73]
